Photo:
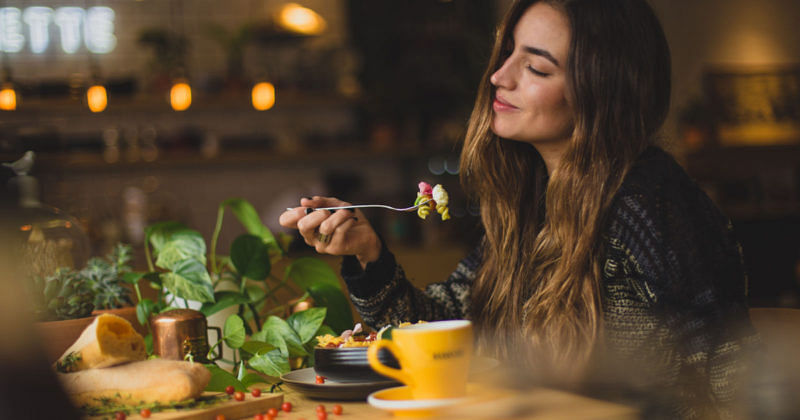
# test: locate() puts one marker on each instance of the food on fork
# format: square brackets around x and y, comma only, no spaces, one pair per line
[436,197]
[109,340]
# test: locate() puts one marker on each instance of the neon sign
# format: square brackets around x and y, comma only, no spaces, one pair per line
[94,26]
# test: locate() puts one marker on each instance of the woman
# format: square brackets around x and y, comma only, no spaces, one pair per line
[601,259]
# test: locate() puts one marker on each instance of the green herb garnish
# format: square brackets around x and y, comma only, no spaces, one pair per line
[108,406]
[69,363]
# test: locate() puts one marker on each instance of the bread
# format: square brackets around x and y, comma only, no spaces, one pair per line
[109,340]
[150,381]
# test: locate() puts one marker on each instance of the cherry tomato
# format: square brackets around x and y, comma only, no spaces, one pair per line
[145,412]
[272,412]
[321,415]
[220,417]
[337,409]
[119,415]
[258,417]
[229,389]
[319,379]
[256,392]
[287,406]
[238,396]
[320,408]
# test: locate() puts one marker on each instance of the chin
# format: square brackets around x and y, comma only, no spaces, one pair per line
[499,132]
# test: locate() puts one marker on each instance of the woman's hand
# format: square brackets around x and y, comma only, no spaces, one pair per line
[343,232]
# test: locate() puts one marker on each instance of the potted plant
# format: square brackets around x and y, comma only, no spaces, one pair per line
[66,301]
[258,280]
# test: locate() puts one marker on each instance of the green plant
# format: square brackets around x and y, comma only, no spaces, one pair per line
[64,295]
[249,279]
[69,293]
[106,276]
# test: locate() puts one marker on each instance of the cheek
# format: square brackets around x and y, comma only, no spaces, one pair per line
[555,105]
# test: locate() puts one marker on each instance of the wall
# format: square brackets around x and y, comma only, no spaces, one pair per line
[725,33]
[129,58]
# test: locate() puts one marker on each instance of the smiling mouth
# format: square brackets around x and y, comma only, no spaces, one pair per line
[500,105]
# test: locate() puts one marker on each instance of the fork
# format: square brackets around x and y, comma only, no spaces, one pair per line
[363,206]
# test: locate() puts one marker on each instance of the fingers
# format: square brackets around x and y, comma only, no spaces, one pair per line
[336,242]
[290,218]
[318,201]
[329,225]
[308,225]
[322,229]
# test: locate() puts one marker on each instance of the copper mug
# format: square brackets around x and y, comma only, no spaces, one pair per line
[181,332]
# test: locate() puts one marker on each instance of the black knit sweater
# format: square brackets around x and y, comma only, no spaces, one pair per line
[676,325]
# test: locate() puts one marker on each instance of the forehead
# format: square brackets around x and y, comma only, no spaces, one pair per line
[542,26]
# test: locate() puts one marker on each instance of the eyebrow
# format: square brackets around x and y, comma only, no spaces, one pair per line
[540,52]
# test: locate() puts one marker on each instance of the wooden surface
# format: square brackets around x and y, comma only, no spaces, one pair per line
[539,404]
[230,409]
[536,404]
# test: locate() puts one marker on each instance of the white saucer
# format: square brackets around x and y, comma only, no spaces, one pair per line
[398,401]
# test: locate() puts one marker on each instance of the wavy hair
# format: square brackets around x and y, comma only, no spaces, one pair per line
[538,288]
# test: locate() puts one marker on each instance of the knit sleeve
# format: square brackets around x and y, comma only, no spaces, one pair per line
[382,294]
[688,265]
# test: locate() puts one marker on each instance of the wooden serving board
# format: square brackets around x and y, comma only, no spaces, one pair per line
[231,409]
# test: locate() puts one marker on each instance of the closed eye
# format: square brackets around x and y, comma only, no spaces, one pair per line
[537,72]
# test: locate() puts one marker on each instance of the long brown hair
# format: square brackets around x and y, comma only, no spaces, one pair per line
[537,294]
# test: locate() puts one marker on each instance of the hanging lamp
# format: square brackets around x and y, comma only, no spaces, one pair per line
[263,96]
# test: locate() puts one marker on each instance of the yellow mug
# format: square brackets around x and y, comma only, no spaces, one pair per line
[434,358]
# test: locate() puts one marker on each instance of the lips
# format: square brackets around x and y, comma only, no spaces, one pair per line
[501,105]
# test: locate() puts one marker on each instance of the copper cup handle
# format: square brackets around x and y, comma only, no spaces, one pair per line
[219,342]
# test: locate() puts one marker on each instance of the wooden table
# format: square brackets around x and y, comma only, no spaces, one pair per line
[540,404]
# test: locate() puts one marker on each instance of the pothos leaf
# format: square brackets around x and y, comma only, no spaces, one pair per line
[272,363]
[222,300]
[186,244]
[273,338]
[306,323]
[233,331]
[339,315]
[159,233]
[255,347]
[275,325]
[221,378]
[144,309]
[255,293]
[248,217]
[189,280]
[307,272]
[251,379]
[242,371]
[250,257]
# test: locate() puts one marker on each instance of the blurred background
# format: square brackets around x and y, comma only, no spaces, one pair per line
[151,110]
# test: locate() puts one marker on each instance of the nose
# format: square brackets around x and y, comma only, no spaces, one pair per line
[503,77]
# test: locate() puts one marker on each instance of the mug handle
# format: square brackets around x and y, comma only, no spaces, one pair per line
[375,363]
[219,342]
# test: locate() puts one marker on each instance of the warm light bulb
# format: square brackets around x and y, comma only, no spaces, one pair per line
[8,98]
[96,98]
[180,96]
[263,96]
[301,19]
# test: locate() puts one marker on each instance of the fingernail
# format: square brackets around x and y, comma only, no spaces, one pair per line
[307,198]
[309,210]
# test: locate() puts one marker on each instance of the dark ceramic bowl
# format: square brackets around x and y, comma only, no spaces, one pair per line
[349,364]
